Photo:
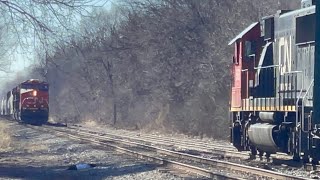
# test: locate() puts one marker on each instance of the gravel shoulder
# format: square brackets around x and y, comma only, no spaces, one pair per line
[29,154]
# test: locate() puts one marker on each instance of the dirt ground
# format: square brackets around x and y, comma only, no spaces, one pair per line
[28,154]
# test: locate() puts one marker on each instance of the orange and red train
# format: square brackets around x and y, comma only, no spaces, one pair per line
[27,102]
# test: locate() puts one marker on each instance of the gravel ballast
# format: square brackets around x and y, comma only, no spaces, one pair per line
[35,155]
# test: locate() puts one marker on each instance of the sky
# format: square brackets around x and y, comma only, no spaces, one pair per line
[21,60]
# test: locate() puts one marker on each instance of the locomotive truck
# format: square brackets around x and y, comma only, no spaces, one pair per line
[27,102]
[275,91]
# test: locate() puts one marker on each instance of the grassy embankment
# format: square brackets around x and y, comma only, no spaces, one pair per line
[5,137]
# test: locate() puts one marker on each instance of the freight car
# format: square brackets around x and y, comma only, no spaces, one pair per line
[28,102]
[275,91]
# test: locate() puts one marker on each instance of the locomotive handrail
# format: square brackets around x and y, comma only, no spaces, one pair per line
[308,89]
[302,83]
[300,93]
[293,72]
[302,119]
[297,108]
[265,67]
[297,102]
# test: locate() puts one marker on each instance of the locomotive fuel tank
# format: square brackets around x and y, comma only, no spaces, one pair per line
[261,135]
[270,117]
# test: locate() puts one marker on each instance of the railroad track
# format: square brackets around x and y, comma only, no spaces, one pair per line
[227,151]
[211,148]
[129,149]
[205,167]
[172,140]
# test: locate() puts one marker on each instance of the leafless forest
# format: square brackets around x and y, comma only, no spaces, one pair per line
[155,65]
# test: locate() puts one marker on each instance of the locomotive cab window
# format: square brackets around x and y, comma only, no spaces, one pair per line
[41,87]
[305,30]
[268,30]
[250,48]
[27,86]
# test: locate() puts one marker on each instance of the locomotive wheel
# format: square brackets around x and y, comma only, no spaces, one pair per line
[315,161]
[236,136]
[261,155]
[306,159]
[253,152]
[296,157]
[268,155]
[19,116]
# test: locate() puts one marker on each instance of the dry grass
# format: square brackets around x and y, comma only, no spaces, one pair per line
[5,137]
[158,124]
[36,148]
[90,123]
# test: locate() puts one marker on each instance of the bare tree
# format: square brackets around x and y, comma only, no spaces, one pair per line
[161,64]
[6,44]
[39,24]
[37,12]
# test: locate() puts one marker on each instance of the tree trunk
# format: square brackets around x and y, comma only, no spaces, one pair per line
[108,68]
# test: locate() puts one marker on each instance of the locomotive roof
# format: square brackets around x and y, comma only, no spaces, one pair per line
[34,81]
[243,33]
[283,13]
[307,10]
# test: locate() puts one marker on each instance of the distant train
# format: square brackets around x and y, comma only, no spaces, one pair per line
[27,102]
[275,98]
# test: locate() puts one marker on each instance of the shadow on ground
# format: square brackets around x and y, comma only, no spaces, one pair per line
[56,173]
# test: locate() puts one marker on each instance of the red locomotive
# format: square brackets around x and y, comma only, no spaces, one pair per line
[28,102]
[275,92]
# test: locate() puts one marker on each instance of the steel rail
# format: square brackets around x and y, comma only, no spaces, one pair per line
[170,164]
[155,137]
[210,148]
[211,162]
[185,144]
